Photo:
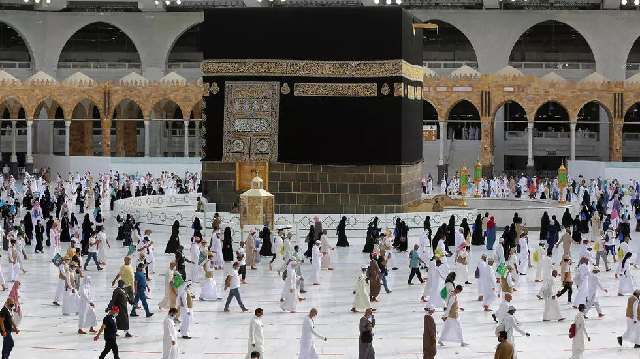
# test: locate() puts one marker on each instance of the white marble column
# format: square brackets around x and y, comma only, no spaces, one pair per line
[51,137]
[186,138]
[147,124]
[443,139]
[197,149]
[572,126]
[29,157]
[170,139]
[67,124]
[530,144]
[14,134]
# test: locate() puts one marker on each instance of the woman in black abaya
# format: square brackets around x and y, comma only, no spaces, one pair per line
[310,240]
[341,232]
[197,227]
[477,238]
[28,228]
[451,232]
[64,225]
[174,241]
[227,246]
[544,225]
[86,232]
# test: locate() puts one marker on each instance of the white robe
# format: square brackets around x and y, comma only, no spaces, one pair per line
[434,291]
[102,247]
[452,330]
[194,268]
[423,252]
[168,277]
[209,286]
[577,344]
[523,256]
[278,249]
[462,271]
[86,313]
[307,340]
[625,285]
[582,280]
[361,299]
[216,247]
[511,324]
[316,256]
[325,247]
[256,337]
[290,292]
[502,311]
[487,276]
[186,314]
[551,307]
[169,350]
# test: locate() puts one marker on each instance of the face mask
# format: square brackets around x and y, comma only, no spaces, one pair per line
[173,316]
[11,306]
[115,315]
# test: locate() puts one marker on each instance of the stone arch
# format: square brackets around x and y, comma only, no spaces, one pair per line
[89,26]
[596,101]
[456,101]
[13,105]
[9,28]
[88,105]
[447,35]
[125,107]
[469,113]
[505,101]
[540,28]
[559,111]
[48,103]
[180,37]
[162,106]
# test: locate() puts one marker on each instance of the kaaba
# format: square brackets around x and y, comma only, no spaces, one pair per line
[326,101]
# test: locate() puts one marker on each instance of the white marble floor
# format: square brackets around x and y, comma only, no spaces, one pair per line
[398,334]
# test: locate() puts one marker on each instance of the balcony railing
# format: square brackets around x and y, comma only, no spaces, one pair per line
[553,65]
[522,135]
[15,65]
[97,65]
[449,64]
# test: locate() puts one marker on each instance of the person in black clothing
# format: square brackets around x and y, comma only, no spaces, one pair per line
[451,232]
[48,230]
[506,236]
[310,240]
[477,238]
[87,229]
[544,225]
[197,227]
[64,235]
[227,246]
[265,235]
[342,235]
[174,241]
[39,237]
[427,227]
[575,229]
[80,198]
[110,333]
[180,260]
[566,219]
[28,228]
[7,326]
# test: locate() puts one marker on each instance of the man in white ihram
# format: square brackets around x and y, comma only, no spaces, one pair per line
[170,337]
[307,339]
[510,324]
[256,334]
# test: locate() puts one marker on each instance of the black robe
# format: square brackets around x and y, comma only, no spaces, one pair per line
[174,241]
[39,236]
[544,226]
[265,235]
[227,248]
[342,234]
[28,228]
[119,299]
[64,225]
[477,238]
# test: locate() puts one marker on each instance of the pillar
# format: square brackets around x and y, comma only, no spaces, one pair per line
[615,140]
[67,124]
[147,123]
[29,157]
[105,125]
[486,143]
[572,127]
[160,138]
[51,137]
[169,138]
[186,138]
[197,149]
[14,156]
[442,166]
[530,164]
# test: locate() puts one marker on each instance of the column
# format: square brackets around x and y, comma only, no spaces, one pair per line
[159,139]
[197,149]
[105,125]
[530,144]
[169,137]
[443,139]
[29,158]
[67,124]
[147,123]
[572,126]
[51,137]
[186,138]
[14,157]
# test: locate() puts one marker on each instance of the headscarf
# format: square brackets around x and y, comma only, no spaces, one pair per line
[491,223]
[290,271]
[460,248]
[14,295]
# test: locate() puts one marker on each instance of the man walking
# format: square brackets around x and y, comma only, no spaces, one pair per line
[233,284]
[127,274]
[256,334]
[7,326]
[110,332]
[140,286]
[452,330]
[504,350]
[93,251]
[367,323]
[429,335]
[633,310]
[170,338]
[415,264]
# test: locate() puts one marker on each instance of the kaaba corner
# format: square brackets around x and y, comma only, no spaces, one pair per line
[326,103]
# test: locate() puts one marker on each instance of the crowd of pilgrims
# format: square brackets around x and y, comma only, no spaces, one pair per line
[601,230]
